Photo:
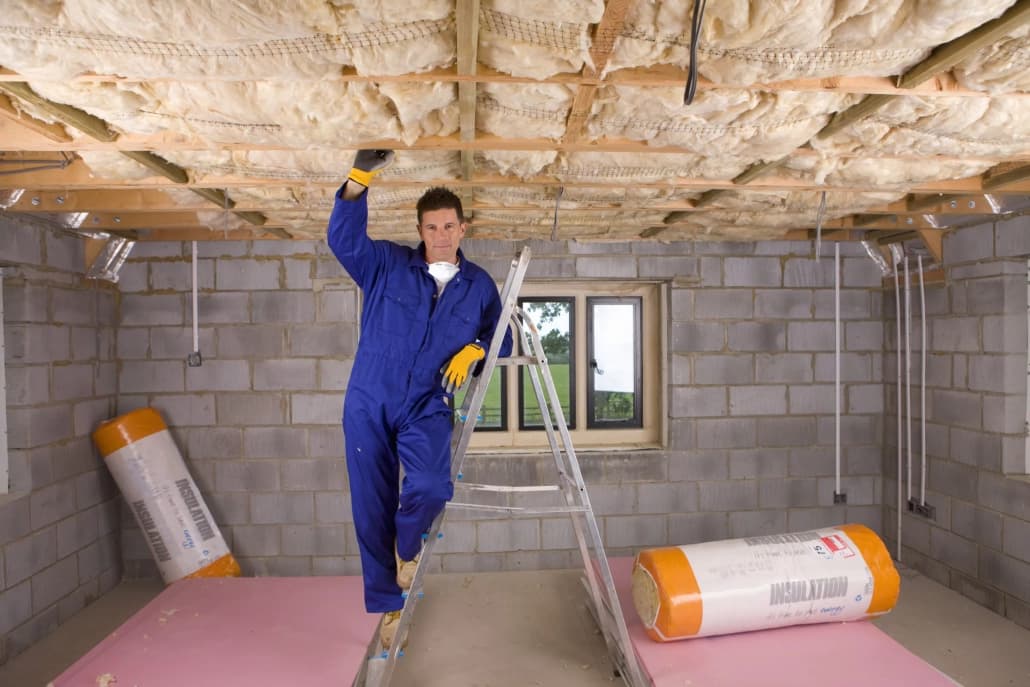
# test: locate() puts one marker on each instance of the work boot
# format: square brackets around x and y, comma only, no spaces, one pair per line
[388,628]
[406,571]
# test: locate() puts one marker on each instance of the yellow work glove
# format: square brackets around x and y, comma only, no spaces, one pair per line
[368,163]
[460,367]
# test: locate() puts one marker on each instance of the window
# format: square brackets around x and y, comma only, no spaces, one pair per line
[613,384]
[604,348]
[555,320]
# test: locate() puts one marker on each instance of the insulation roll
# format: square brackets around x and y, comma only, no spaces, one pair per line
[176,523]
[834,574]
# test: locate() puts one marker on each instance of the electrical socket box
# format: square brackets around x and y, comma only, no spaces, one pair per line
[924,509]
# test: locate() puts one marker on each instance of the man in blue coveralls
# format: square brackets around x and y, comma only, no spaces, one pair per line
[427,320]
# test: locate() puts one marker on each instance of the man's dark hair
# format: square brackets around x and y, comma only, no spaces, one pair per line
[439,198]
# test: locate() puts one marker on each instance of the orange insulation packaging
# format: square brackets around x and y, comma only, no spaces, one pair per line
[176,523]
[829,575]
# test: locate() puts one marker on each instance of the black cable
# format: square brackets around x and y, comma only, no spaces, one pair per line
[557,203]
[695,36]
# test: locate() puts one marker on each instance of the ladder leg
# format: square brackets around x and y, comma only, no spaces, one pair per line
[610,598]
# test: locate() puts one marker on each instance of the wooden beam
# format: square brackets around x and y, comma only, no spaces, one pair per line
[153,200]
[656,76]
[757,170]
[601,44]
[205,234]
[158,164]
[993,182]
[896,237]
[706,198]
[83,121]
[52,132]
[942,203]
[868,105]
[255,218]
[869,220]
[954,204]
[946,56]
[216,196]
[180,176]
[467,19]
[134,221]
[934,242]
[78,176]
[97,128]
[930,278]
[11,139]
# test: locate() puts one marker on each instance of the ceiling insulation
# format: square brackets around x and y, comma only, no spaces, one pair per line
[1002,67]
[550,119]
[774,40]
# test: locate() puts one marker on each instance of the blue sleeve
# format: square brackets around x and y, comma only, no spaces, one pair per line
[490,317]
[347,236]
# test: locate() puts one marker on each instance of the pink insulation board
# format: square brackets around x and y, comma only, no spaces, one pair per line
[840,654]
[259,632]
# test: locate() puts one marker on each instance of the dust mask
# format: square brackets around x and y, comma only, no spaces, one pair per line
[442,272]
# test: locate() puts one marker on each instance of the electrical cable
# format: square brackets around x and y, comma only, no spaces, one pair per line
[695,37]
[557,204]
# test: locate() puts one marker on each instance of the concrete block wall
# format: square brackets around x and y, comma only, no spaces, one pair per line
[750,407]
[59,522]
[979,541]
[259,422]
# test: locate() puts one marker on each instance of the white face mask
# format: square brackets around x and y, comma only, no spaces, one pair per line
[442,272]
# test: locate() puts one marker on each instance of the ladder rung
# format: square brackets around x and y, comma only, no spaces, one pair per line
[505,488]
[518,510]
[518,360]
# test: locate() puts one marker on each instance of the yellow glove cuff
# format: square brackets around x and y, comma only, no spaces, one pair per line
[361,176]
[470,354]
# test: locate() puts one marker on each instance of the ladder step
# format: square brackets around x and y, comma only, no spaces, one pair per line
[504,488]
[517,510]
[517,360]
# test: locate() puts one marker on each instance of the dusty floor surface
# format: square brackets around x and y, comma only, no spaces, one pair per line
[532,628]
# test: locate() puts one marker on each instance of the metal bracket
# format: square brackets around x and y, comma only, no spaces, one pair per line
[110,259]
[840,497]
[924,509]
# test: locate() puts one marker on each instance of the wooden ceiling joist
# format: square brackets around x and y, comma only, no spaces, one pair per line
[12,137]
[99,130]
[467,19]
[149,200]
[78,176]
[1006,179]
[51,132]
[664,75]
[600,50]
[72,116]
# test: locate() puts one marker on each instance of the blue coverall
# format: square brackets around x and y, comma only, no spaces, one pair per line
[395,408]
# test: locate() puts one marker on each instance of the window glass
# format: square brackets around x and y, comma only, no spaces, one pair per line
[614,379]
[554,320]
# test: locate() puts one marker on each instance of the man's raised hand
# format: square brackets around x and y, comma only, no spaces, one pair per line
[368,163]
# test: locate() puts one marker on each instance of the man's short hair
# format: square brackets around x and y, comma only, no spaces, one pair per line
[439,198]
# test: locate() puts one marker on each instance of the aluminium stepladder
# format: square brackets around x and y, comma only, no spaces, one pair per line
[527,350]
